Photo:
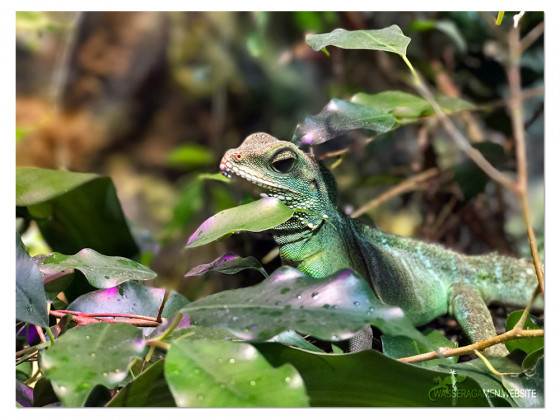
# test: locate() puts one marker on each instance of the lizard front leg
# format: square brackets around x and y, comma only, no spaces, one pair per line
[469,309]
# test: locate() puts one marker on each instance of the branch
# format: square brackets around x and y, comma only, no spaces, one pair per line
[512,334]
[407,185]
[93,318]
[516,109]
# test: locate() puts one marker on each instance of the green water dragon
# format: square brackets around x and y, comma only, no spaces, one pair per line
[425,280]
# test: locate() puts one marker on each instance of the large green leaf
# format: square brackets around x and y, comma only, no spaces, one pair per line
[229,263]
[390,39]
[74,211]
[225,374]
[101,271]
[83,357]
[31,302]
[255,217]
[333,308]
[400,346]
[129,298]
[339,117]
[149,389]
[528,345]
[495,387]
[370,379]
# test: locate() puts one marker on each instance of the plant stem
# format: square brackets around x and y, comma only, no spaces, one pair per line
[513,73]
[41,333]
[99,315]
[51,336]
[164,335]
[447,352]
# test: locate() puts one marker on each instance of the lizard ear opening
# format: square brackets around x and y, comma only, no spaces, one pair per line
[283,161]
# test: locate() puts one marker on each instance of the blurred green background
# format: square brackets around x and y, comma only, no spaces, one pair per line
[154,100]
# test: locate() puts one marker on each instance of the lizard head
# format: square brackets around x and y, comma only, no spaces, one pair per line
[283,171]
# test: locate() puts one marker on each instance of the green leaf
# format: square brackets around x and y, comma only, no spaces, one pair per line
[407,108]
[450,104]
[399,104]
[83,357]
[367,379]
[189,156]
[31,301]
[339,117]
[449,28]
[293,339]
[400,346]
[390,39]
[75,211]
[129,298]
[101,271]
[528,345]
[532,358]
[229,263]
[495,390]
[195,333]
[149,389]
[223,374]
[255,217]
[527,388]
[333,308]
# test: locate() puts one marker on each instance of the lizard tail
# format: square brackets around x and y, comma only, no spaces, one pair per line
[505,280]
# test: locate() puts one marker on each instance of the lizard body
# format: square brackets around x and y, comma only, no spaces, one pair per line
[425,280]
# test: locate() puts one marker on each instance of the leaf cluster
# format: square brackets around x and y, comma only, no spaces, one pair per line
[111,340]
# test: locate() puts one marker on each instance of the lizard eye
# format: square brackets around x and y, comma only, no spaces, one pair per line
[283,161]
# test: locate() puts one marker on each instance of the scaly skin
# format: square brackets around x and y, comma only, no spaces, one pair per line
[425,280]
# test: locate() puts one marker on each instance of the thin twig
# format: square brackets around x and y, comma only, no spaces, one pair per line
[532,36]
[404,186]
[481,345]
[138,320]
[41,333]
[60,313]
[463,143]
[521,323]
[166,296]
[513,73]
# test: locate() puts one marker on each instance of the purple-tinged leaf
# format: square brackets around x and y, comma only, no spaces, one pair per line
[24,394]
[129,298]
[31,301]
[339,117]
[333,308]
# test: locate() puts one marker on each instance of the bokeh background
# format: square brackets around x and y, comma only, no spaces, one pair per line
[153,100]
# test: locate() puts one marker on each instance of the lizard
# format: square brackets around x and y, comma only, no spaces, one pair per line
[424,279]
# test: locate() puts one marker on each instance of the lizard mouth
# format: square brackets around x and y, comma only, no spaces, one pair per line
[229,168]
